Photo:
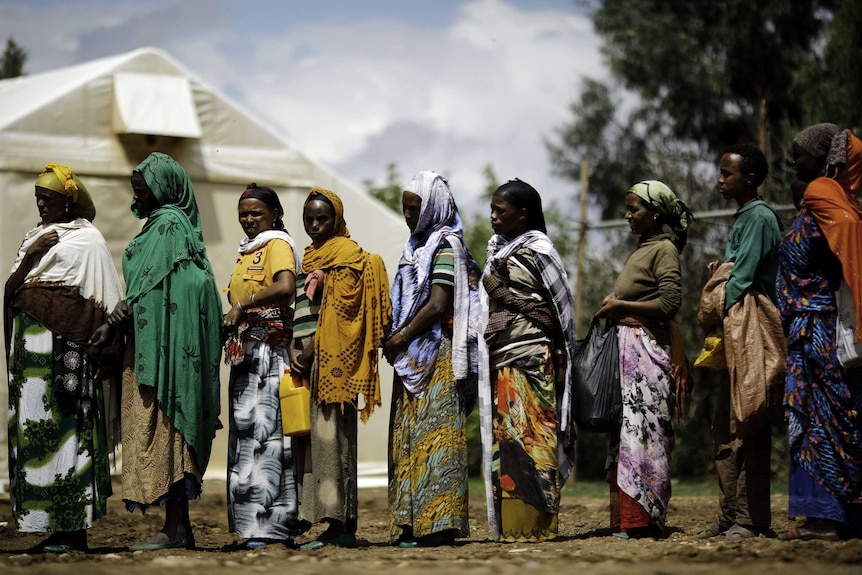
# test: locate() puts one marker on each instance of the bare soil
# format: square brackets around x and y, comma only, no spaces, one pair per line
[578,550]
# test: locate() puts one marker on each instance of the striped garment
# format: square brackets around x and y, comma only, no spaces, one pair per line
[306,311]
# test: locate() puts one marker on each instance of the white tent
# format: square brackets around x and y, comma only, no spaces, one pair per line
[103,117]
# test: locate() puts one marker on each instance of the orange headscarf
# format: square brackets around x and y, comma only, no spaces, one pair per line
[355,312]
[832,201]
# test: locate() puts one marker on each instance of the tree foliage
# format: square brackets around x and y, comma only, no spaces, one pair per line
[617,155]
[12,61]
[390,192]
[477,229]
[722,73]
[830,86]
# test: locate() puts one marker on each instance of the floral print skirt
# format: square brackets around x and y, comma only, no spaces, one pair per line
[642,454]
[58,461]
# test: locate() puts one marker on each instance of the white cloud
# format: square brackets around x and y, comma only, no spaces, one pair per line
[357,95]
[485,90]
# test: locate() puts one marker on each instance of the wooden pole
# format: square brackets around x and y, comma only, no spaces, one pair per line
[582,245]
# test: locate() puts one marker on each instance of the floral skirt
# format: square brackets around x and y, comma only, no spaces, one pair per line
[58,461]
[642,453]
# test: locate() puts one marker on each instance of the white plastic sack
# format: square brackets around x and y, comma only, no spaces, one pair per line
[849,353]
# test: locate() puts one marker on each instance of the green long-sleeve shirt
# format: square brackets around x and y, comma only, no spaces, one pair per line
[752,246]
[652,272]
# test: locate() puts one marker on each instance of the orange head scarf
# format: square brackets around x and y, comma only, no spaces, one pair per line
[355,312]
[340,225]
[831,199]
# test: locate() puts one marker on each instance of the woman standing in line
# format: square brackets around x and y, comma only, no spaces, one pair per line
[525,370]
[262,501]
[342,313]
[822,401]
[62,287]
[433,347]
[171,381]
[647,295]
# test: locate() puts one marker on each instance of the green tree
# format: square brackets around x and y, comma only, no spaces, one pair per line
[12,61]
[477,230]
[715,74]
[830,86]
[390,192]
[617,155]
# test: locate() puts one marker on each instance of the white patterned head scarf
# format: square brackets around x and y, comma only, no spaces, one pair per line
[439,223]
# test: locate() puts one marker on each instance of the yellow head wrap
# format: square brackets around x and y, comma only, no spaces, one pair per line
[60,179]
[340,227]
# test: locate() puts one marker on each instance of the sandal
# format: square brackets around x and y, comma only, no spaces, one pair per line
[805,534]
[345,539]
[645,532]
[61,542]
[406,535]
[714,530]
[436,539]
[737,533]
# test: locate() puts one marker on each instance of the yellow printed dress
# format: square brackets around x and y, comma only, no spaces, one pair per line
[428,443]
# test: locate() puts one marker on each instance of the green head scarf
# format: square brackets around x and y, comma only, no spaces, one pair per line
[170,184]
[676,214]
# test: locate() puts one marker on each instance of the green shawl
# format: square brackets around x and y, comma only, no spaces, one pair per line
[177,307]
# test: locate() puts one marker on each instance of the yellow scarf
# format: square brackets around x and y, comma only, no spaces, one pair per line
[355,312]
[60,179]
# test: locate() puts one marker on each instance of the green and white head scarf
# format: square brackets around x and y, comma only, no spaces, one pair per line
[657,194]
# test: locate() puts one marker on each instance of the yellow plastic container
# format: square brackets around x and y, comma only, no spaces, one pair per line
[295,405]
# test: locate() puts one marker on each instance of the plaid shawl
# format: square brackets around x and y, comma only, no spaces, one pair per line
[556,282]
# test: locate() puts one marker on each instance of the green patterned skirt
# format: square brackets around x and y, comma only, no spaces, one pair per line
[58,461]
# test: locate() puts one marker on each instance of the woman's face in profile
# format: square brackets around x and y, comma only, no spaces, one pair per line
[642,220]
[51,205]
[507,219]
[807,166]
[411,207]
[318,218]
[145,200]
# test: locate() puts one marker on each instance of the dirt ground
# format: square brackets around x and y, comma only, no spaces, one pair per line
[578,550]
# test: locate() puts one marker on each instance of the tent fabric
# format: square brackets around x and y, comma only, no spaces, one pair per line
[84,117]
[139,106]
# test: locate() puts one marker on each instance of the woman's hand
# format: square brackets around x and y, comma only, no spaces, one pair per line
[612,307]
[392,346]
[44,243]
[232,317]
[120,314]
[103,334]
[300,360]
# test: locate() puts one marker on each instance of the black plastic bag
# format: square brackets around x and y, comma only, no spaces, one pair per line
[597,402]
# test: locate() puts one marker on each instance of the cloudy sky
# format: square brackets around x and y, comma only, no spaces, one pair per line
[447,85]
